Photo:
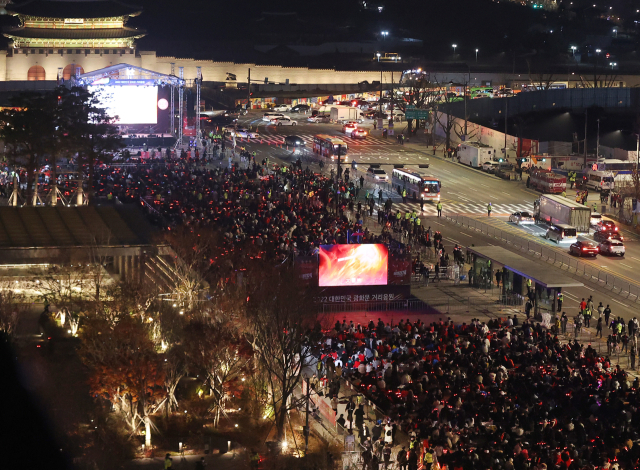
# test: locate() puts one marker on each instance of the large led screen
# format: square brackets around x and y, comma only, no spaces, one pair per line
[132,104]
[353,265]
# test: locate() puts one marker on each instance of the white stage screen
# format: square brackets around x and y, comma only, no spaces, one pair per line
[132,104]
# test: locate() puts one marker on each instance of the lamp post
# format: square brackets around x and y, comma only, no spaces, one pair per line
[384,34]
[476,56]
[573,51]
[378,56]
[612,64]
[595,69]
[454,50]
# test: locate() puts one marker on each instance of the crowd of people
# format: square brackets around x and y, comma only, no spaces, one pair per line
[284,209]
[495,395]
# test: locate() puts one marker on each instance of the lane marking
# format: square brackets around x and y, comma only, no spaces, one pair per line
[466,234]
[588,288]
[626,265]
[617,301]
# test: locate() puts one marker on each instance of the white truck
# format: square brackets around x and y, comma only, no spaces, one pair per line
[475,154]
[554,209]
[346,113]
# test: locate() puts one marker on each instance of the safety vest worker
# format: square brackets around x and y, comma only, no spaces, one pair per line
[564,194]
[595,207]
[428,459]
[404,193]
[439,206]
[407,215]
[418,221]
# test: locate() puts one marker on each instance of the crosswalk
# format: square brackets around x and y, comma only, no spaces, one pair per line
[278,139]
[460,208]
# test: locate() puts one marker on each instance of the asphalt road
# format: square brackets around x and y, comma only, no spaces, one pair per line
[465,191]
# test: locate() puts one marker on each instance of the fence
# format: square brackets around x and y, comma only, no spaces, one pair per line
[584,270]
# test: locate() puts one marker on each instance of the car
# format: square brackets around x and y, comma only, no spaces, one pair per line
[270,116]
[522,218]
[596,219]
[245,133]
[608,225]
[349,127]
[319,118]
[294,141]
[490,167]
[300,108]
[605,233]
[281,107]
[612,247]
[583,248]
[283,121]
[377,174]
[359,133]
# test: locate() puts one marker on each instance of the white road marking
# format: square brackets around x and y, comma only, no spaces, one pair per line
[466,234]
[626,265]
[588,288]
[635,258]
[617,301]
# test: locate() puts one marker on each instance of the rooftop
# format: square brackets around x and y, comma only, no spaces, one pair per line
[49,227]
[538,273]
[44,33]
[74,8]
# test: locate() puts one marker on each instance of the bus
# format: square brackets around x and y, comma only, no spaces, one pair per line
[610,164]
[417,186]
[329,146]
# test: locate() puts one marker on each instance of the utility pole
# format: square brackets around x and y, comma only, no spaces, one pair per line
[249,90]
[586,117]
[598,141]
[506,116]
[465,111]
[306,424]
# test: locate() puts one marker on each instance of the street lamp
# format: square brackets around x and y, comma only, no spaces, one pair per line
[476,56]
[612,64]
[573,51]
[378,56]
[454,49]
[384,34]
[615,31]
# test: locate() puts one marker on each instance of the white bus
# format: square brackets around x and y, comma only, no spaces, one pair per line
[417,186]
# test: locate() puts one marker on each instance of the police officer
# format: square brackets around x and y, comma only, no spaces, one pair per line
[489,210]
[439,207]
[560,300]
[404,194]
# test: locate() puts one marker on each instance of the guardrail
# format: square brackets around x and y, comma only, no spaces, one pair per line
[616,284]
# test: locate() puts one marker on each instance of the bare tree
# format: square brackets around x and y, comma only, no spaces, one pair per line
[280,318]
[420,92]
[538,77]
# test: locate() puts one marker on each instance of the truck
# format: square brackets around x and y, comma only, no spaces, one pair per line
[346,113]
[554,209]
[547,181]
[475,154]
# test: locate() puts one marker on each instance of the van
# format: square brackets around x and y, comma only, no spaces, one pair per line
[598,180]
[562,233]
[595,219]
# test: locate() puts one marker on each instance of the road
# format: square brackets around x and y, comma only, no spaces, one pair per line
[465,191]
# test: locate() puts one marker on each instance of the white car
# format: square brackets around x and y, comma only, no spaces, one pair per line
[522,218]
[270,116]
[612,247]
[283,121]
[378,174]
[246,134]
[490,167]
[282,107]
[318,118]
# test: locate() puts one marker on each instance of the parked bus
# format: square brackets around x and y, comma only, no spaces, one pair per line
[417,186]
[329,147]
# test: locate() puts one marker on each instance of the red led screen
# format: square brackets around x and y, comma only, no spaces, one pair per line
[353,265]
